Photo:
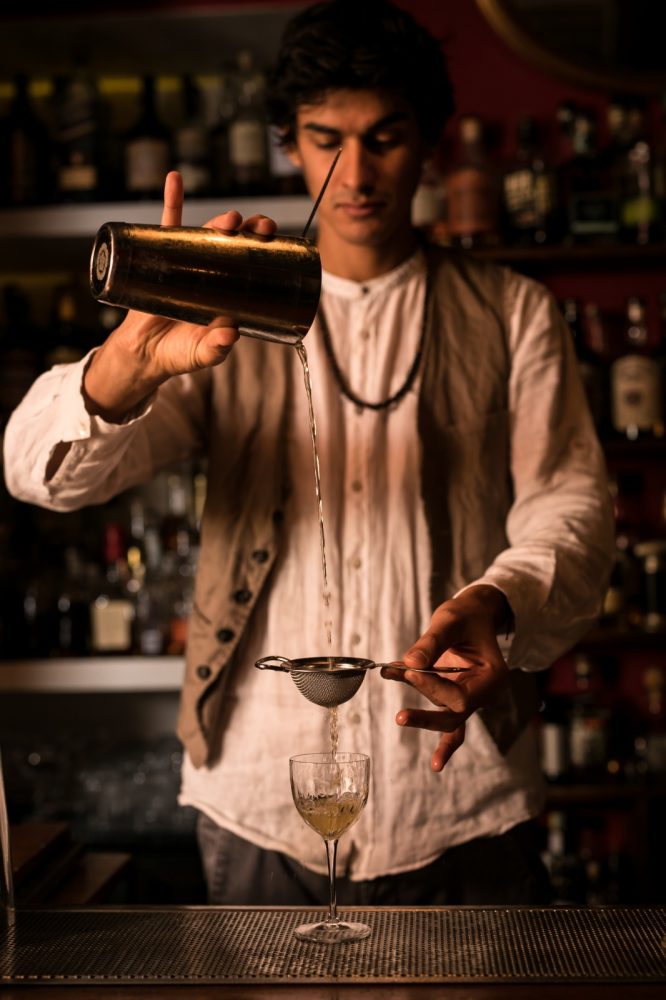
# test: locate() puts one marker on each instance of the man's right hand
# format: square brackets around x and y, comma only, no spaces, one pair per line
[146,350]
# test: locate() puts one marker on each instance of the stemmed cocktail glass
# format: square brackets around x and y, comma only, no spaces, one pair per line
[330,791]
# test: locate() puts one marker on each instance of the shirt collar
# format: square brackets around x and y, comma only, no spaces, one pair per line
[345,288]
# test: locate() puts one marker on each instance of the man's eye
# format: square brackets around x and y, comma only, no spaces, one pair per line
[385,140]
[328,143]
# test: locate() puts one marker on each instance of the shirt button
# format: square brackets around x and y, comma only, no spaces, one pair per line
[225,634]
[278,516]
[356,485]
[364,335]
[355,639]
[243,596]
[203,672]
[354,718]
[357,562]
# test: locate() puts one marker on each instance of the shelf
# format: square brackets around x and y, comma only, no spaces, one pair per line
[611,639]
[60,237]
[602,794]
[90,675]
[559,255]
[82,221]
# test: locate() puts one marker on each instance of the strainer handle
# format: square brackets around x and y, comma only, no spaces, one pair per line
[274,663]
[424,670]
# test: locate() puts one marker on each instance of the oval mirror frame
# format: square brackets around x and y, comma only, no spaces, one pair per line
[523,43]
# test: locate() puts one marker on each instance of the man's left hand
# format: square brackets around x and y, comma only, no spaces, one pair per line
[463,633]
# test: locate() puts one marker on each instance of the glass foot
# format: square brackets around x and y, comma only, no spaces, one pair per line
[332,931]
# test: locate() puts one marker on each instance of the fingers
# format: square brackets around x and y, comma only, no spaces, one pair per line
[232,221]
[443,721]
[172,214]
[260,224]
[447,746]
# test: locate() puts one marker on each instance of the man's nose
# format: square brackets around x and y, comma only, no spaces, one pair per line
[356,166]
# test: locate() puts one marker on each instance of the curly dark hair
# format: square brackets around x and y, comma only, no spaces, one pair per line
[359,45]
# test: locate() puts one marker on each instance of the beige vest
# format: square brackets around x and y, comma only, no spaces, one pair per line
[463,424]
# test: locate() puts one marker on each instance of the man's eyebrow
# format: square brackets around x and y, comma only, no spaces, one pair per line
[385,122]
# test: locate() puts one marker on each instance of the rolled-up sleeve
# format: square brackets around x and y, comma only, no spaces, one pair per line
[560,526]
[94,460]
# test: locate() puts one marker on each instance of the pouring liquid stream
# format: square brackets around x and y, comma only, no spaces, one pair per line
[326,597]
[302,353]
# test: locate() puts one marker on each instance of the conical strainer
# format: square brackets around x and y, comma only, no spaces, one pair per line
[331,680]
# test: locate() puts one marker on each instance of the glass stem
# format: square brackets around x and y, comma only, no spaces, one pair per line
[331,855]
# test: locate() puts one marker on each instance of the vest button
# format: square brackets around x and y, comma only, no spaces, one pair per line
[225,634]
[204,672]
[260,555]
[243,596]
[278,516]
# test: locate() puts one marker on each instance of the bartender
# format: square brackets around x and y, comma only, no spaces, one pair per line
[467,513]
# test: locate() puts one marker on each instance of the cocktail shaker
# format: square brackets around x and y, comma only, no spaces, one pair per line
[269,285]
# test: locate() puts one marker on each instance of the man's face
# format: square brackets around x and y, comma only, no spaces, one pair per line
[368,199]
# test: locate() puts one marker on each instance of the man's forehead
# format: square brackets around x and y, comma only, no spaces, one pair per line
[353,110]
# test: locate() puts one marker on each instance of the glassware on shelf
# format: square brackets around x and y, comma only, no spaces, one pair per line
[330,792]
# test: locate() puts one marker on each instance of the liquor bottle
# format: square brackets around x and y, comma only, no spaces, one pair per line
[588,725]
[225,104]
[528,191]
[66,335]
[21,349]
[639,209]
[472,195]
[153,599]
[590,366]
[72,608]
[147,148]
[25,164]
[553,738]
[429,201]
[654,734]
[192,143]
[80,124]
[636,379]
[248,147]
[590,206]
[565,868]
[112,610]
[652,555]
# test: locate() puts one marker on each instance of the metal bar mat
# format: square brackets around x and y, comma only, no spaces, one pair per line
[228,945]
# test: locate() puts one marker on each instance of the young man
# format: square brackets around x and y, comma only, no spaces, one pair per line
[463,493]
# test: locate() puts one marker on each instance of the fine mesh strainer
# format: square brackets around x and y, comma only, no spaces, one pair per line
[331,680]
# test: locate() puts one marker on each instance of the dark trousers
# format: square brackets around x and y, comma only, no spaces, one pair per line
[501,870]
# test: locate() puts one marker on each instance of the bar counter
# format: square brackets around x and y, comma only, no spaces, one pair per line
[250,952]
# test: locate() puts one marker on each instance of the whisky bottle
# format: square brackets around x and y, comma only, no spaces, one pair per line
[590,366]
[248,146]
[590,206]
[112,610]
[192,143]
[528,191]
[588,725]
[80,124]
[636,379]
[472,194]
[25,157]
[147,148]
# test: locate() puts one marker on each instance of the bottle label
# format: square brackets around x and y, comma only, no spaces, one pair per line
[471,204]
[587,743]
[247,146]
[111,622]
[636,400]
[592,215]
[147,164]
